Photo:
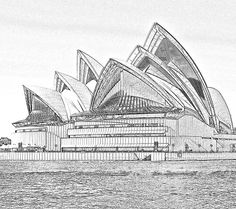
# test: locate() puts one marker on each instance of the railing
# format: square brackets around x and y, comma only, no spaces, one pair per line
[162,147]
[113,156]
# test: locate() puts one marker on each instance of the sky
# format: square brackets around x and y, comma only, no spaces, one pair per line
[40,37]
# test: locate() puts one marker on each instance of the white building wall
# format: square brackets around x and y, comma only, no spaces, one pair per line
[191,126]
[225,145]
[30,138]
[49,137]
[195,144]
[114,141]
[171,124]
[199,144]
[141,119]
[54,135]
[115,130]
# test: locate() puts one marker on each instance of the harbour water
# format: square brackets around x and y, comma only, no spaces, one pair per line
[76,184]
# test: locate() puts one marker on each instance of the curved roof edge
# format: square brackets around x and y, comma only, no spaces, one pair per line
[138,73]
[49,97]
[147,44]
[94,66]
[221,107]
[167,34]
[138,55]
[81,90]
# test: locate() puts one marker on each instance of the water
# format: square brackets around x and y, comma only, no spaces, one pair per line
[208,184]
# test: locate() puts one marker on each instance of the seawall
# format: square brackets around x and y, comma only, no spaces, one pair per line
[113,156]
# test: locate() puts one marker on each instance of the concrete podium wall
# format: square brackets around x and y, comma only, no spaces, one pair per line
[113,156]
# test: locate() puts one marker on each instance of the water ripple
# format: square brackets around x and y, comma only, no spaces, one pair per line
[118,184]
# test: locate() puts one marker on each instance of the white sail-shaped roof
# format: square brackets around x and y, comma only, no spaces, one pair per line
[120,79]
[49,97]
[163,45]
[83,94]
[88,68]
[171,76]
[221,108]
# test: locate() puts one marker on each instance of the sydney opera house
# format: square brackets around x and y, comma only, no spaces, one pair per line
[156,100]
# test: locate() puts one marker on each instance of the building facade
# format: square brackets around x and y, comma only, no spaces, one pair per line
[155,101]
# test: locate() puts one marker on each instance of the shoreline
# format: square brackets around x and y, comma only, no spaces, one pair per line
[115,156]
